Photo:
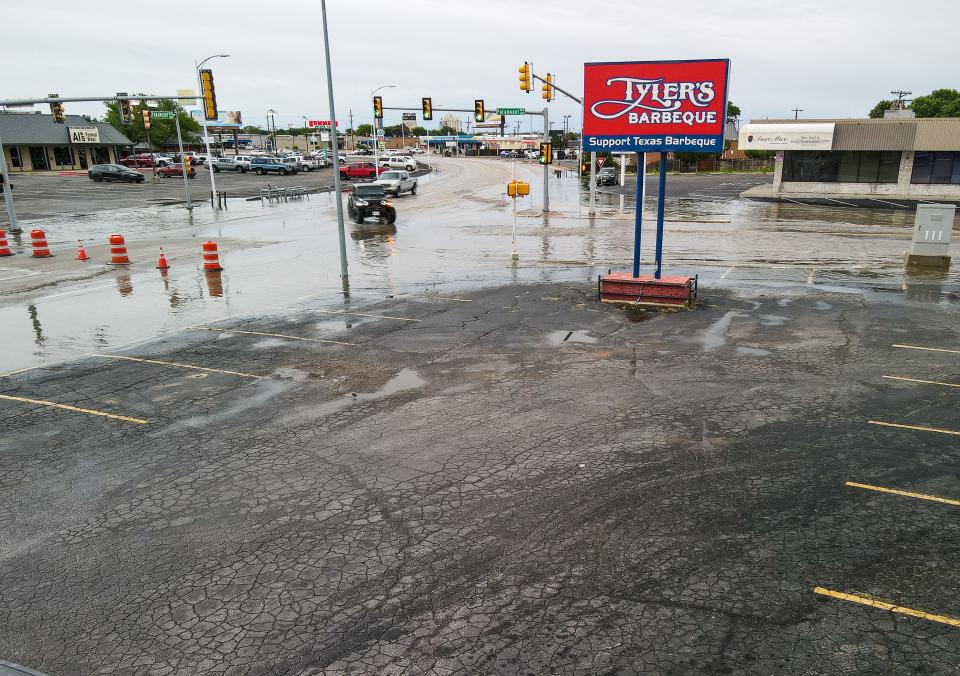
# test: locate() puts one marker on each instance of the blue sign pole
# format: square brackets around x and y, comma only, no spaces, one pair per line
[638,217]
[663,189]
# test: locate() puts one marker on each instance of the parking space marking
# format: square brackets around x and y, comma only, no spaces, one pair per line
[923,382]
[75,409]
[906,494]
[272,335]
[918,428]
[892,607]
[928,349]
[810,275]
[729,270]
[361,314]
[13,373]
[177,365]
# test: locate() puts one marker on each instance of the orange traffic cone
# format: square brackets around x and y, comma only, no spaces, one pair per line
[81,252]
[162,263]
[4,247]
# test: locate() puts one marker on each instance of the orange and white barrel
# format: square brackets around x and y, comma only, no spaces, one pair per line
[118,251]
[38,239]
[211,259]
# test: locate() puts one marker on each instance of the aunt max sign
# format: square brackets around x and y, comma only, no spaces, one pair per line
[644,106]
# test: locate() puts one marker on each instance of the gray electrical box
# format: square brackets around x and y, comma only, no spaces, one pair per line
[932,229]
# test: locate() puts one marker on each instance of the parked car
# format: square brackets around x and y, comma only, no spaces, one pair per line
[607,176]
[139,160]
[416,151]
[199,159]
[264,165]
[360,170]
[399,162]
[361,150]
[370,200]
[396,182]
[238,163]
[293,163]
[175,170]
[114,172]
[509,154]
[531,154]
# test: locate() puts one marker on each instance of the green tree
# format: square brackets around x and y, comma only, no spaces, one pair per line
[733,110]
[392,130]
[878,110]
[418,131]
[760,154]
[364,130]
[160,130]
[253,129]
[938,103]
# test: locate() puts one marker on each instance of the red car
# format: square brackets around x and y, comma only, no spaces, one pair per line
[145,160]
[175,170]
[359,170]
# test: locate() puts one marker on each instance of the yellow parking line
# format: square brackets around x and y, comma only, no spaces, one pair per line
[892,607]
[918,428]
[906,494]
[13,373]
[924,382]
[75,409]
[360,314]
[272,335]
[177,365]
[928,349]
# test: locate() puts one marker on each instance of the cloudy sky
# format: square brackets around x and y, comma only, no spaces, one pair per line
[831,58]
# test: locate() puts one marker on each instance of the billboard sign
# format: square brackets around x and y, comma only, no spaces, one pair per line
[803,136]
[655,106]
[409,120]
[225,118]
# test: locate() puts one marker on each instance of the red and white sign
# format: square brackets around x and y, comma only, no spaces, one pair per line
[601,161]
[320,123]
[643,106]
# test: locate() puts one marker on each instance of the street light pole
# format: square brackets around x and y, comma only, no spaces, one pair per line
[338,196]
[206,137]
[272,121]
[7,194]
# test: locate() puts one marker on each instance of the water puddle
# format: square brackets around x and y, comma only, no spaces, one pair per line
[406,379]
[716,334]
[579,336]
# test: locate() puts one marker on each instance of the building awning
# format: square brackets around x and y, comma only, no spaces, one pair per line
[810,136]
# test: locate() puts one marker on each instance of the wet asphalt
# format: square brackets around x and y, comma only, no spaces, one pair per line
[475,467]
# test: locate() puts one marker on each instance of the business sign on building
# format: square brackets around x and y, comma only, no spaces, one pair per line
[320,123]
[644,106]
[804,136]
[84,134]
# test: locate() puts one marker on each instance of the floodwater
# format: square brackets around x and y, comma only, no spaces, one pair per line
[455,234]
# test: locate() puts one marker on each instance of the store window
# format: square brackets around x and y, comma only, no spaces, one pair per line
[62,156]
[848,166]
[936,167]
[15,158]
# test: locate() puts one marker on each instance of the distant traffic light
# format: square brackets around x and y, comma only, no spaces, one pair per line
[209,94]
[186,164]
[526,81]
[126,113]
[56,109]
[546,153]
[427,105]
[146,118]
[378,107]
[548,88]
[478,115]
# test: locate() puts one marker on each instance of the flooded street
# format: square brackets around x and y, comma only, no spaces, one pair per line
[454,234]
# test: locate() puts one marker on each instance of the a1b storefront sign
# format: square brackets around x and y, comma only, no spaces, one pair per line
[651,106]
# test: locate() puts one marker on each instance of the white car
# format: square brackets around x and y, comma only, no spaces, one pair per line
[399,162]
[396,182]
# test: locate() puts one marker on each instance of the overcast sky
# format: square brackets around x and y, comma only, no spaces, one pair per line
[831,58]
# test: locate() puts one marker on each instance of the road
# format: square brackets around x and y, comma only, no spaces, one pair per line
[470,465]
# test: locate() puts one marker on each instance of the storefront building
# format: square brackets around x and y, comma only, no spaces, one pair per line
[35,142]
[907,159]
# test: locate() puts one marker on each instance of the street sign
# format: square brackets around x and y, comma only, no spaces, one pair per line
[161,115]
[601,161]
[320,123]
[380,133]
[655,106]
[511,111]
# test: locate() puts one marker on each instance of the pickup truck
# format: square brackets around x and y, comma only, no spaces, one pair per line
[360,170]
[396,182]
[310,162]
[146,160]
[239,163]
[263,165]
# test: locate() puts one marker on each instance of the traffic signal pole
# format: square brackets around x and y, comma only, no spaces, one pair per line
[546,165]
[7,194]
[183,162]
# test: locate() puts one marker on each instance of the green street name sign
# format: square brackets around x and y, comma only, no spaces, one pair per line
[511,111]
[161,115]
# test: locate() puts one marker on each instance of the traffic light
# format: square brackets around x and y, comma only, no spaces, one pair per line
[478,115]
[378,107]
[186,164]
[56,109]
[427,105]
[546,153]
[526,80]
[548,88]
[126,114]
[146,118]
[208,94]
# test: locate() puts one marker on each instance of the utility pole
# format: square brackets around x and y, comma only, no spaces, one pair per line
[900,102]
[353,141]
[796,113]
[337,195]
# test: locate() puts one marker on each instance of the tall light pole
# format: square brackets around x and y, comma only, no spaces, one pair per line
[337,195]
[272,121]
[206,136]
[376,134]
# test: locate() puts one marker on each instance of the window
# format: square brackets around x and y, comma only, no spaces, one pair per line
[848,166]
[15,158]
[938,168]
[62,156]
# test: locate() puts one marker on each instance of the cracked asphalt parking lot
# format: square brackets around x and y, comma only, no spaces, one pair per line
[525,483]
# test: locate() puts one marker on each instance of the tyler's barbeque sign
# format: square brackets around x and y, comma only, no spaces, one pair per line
[652,106]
